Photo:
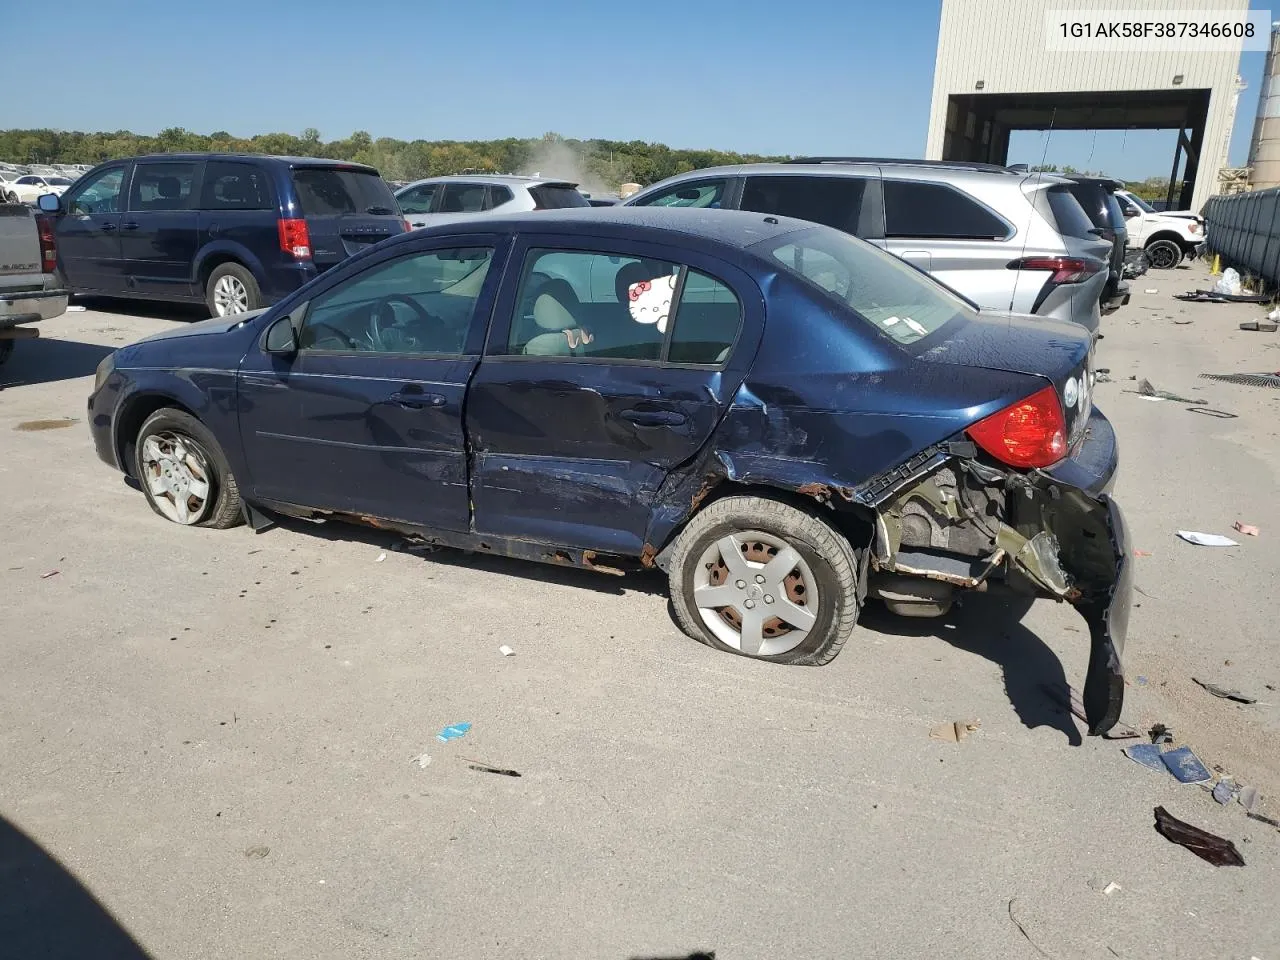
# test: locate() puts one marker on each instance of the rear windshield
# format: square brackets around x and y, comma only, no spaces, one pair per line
[330,191]
[893,296]
[1069,216]
[1094,198]
[550,196]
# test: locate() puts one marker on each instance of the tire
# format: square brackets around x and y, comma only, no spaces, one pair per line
[824,560]
[164,482]
[1164,254]
[6,351]
[231,289]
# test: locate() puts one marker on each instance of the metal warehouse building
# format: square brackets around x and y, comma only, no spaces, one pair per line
[995,74]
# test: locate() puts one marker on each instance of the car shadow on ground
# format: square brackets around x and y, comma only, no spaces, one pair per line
[46,912]
[990,626]
[45,360]
[154,309]
[651,582]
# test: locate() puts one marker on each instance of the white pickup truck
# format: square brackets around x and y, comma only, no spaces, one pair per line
[29,290]
[1167,237]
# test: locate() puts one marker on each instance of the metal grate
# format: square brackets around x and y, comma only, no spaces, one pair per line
[1246,379]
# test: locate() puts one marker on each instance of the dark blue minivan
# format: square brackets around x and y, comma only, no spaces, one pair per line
[235,231]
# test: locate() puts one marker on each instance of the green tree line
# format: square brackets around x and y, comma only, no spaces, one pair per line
[605,163]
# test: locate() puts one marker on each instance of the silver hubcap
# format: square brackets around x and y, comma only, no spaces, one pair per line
[230,296]
[177,477]
[755,593]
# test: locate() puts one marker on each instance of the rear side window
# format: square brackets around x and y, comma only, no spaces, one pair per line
[555,197]
[831,201]
[707,321]
[937,211]
[463,198]
[498,195]
[704,193]
[1069,217]
[162,186]
[234,186]
[333,191]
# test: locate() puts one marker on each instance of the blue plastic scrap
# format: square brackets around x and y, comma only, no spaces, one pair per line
[1147,754]
[1185,765]
[453,732]
[1223,792]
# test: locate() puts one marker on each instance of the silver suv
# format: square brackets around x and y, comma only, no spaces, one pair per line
[425,203]
[1001,237]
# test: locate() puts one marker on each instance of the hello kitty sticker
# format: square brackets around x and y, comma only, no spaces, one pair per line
[650,300]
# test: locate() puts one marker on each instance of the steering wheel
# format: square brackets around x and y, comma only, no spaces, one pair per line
[383,317]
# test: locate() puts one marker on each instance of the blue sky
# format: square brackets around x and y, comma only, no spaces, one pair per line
[823,77]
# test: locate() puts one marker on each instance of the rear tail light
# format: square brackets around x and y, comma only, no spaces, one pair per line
[1065,269]
[1029,433]
[295,238]
[48,245]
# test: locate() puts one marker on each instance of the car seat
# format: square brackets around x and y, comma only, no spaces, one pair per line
[555,313]
[168,194]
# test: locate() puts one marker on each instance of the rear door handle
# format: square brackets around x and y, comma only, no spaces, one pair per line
[418,401]
[129,226]
[654,418]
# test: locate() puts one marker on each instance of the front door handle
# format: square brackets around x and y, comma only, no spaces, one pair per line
[129,226]
[418,401]
[419,223]
[654,418]
[108,227]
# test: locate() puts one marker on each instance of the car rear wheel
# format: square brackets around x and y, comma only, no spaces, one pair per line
[184,473]
[231,289]
[1164,254]
[764,579]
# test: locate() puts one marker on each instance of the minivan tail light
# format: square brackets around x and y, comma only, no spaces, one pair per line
[295,238]
[1065,269]
[48,245]
[1029,433]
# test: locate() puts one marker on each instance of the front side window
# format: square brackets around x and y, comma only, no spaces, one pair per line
[234,186]
[894,297]
[833,201]
[937,211]
[605,306]
[702,193]
[418,200]
[99,195]
[419,304]
[463,198]
[162,186]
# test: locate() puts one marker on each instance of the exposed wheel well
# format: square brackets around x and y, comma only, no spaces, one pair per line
[130,420]
[1167,235]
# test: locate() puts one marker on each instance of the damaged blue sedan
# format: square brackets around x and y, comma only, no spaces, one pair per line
[783,418]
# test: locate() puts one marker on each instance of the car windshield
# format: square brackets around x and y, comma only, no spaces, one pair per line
[1140,203]
[333,191]
[893,296]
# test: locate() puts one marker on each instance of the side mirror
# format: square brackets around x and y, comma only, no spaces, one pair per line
[282,338]
[49,202]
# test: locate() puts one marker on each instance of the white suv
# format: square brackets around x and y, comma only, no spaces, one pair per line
[1166,237]
[426,203]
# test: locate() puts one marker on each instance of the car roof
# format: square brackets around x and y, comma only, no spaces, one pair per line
[951,172]
[735,228]
[505,179]
[1110,183]
[289,161]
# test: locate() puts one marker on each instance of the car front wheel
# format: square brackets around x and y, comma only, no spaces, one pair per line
[184,473]
[764,579]
[1164,254]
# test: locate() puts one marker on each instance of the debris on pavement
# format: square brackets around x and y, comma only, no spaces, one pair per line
[1023,930]
[482,767]
[1269,379]
[1224,693]
[1248,529]
[1186,766]
[1142,553]
[1071,702]
[76,308]
[1111,888]
[1247,798]
[1147,754]
[382,556]
[1206,846]
[1261,819]
[51,573]
[453,732]
[423,760]
[506,651]
[1146,389]
[1260,326]
[955,731]
[1229,283]
[1161,734]
[1223,792]
[1151,290]
[257,853]
[1206,539]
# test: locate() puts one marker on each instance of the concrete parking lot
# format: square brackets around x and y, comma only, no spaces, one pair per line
[212,741]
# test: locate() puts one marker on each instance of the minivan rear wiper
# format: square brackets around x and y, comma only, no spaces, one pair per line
[379,211]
